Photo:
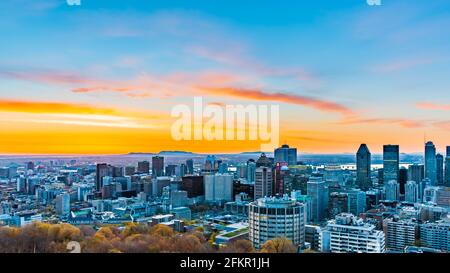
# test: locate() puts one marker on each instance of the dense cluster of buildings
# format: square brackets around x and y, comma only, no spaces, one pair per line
[393,207]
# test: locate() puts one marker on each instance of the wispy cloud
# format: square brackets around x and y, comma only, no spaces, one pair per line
[433,106]
[401,65]
[406,123]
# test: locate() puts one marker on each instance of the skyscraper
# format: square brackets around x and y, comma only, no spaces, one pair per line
[430,162]
[280,173]
[402,179]
[251,168]
[416,173]
[143,167]
[440,170]
[157,166]
[263,182]
[190,166]
[286,154]
[447,167]
[318,193]
[363,163]
[101,171]
[391,159]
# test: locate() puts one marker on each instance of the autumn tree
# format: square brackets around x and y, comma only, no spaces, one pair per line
[279,245]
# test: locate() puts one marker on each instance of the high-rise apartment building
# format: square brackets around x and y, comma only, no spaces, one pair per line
[349,234]
[436,235]
[400,233]
[263,182]
[273,217]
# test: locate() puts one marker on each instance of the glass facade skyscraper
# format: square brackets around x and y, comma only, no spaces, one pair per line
[440,170]
[363,163]
[391,160]
[447,168]
[286,154]
[430,162]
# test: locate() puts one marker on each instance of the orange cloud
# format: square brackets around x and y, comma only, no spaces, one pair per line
[253,94]
[51,107]
[433,106]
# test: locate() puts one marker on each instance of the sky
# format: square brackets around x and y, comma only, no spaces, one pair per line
[103,77]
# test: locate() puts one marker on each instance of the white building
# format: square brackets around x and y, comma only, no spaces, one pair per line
[218,187]
[346,234]
[273,217]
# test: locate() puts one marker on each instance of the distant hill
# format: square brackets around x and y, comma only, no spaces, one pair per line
[175,153]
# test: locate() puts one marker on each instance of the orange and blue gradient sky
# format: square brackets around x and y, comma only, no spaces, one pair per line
[102,78]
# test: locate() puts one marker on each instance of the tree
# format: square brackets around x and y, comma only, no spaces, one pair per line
[279,245]
[239,246]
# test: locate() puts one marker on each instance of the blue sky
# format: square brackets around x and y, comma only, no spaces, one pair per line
[387,64]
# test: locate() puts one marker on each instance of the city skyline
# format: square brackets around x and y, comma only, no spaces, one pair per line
[343,73]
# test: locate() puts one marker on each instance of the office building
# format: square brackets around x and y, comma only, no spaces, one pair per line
[62,204]
[430,162]
[263,182]
[416,173]
[337,204]
[391,160]
[286,155]
[143,167]
[102,170]
[157,166]
[251,170]
[281,171]
[412,192]
[349,234]
[190,166]
[439,170]
[193,185]
[318,193]
[392,191]
[218,187]
[402,179]
[363,167]
[447,167]
[274,217]
[356,202]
